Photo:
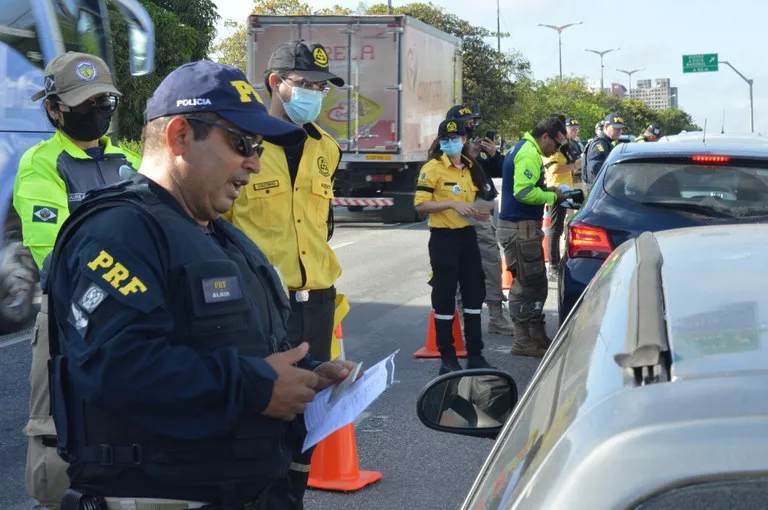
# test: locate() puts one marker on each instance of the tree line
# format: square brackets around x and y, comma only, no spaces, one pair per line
[499,84]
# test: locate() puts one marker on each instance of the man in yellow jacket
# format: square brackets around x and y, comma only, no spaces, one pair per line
[285,207]
[559,169]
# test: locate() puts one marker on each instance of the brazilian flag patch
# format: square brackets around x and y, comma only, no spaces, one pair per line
[44,214]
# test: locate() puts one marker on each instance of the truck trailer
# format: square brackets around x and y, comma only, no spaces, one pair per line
[401,78]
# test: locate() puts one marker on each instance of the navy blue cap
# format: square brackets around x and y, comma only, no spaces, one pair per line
[206,86]
[654,129]
[461,113]
[572,123]
[451,127]
[615,120]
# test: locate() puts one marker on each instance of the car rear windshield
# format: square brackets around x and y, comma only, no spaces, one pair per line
[724,190]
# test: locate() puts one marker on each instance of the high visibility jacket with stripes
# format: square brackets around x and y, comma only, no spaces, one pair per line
[289,220]
[51,181]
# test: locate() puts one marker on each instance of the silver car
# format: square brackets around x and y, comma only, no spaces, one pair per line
[654,394]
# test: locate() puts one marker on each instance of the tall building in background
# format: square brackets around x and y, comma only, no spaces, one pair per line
[658,96]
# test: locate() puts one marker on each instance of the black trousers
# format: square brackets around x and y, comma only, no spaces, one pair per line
[312,322]
[455,258]
[557,224]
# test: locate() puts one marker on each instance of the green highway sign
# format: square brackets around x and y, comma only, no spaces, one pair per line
[703,63]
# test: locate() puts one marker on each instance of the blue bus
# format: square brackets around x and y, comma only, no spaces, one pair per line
[32,33]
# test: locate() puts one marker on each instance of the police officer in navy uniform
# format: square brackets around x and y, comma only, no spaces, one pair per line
[598,149]
[172,383]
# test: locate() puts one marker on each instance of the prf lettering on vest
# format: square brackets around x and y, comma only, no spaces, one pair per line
[117,274]
[246,91]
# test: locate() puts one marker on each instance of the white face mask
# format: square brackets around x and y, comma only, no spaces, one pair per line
[304,105]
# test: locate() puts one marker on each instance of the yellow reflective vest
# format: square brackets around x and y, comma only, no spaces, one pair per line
[288,221]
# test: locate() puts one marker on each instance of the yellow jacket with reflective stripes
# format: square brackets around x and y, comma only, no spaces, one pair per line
[289,221]
[440,181]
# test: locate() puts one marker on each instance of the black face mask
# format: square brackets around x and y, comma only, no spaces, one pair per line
[86,127]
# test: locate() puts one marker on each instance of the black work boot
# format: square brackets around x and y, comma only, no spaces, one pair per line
[477,361]
[449,362]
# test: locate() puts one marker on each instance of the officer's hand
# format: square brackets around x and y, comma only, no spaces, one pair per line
[488,146]
[334,371]
[463,208]
[560,197]
[294,387]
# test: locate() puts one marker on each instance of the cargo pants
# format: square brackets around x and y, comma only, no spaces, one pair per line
[45,476]
[528,292]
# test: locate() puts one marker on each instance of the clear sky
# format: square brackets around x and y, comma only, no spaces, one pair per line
[652,35]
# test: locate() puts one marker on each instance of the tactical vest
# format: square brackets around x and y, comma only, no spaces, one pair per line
[514,210]
[99,445]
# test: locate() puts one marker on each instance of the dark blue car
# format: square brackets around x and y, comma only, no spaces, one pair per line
[659,186]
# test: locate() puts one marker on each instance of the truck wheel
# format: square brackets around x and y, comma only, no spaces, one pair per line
[18,283]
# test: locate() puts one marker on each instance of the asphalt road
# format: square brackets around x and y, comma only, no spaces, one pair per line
[385,279]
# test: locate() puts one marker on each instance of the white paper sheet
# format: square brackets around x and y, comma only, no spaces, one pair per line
[323,418]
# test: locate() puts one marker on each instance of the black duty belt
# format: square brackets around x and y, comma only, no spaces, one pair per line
[50,441]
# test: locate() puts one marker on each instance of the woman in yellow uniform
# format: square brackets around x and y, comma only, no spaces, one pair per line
[446,190]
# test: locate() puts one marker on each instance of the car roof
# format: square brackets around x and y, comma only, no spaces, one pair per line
[716,308]
[748,147]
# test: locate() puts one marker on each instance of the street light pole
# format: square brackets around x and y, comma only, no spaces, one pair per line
[751,100]
[630,73]
[559,31]
[602,54]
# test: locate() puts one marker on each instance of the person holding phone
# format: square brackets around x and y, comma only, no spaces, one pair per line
[446,190]
[483,150]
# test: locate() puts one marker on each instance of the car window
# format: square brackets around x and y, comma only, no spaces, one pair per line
[719,190]
[556,396]
[746,494]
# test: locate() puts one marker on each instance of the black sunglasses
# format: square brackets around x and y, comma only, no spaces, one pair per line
[106,103]
[245,145]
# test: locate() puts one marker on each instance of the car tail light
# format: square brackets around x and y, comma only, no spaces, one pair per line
[588,241]
[709,159]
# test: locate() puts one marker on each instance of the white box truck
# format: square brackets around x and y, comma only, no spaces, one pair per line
[402,76]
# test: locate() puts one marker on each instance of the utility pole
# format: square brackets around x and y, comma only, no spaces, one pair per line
[559,31]
[498,26]
[630,73]
[389,6]
[751,100]
[602,67]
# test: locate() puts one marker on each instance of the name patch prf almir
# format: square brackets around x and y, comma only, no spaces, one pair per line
[218,290]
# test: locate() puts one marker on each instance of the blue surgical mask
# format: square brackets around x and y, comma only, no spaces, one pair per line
[451,147]
[304,106]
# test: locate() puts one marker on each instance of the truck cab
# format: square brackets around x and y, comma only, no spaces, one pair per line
[32,33]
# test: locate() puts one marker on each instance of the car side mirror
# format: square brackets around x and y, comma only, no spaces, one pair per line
[468,402]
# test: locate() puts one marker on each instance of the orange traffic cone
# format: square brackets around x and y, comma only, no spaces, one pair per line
[506,275]
[430,349]
[335,466]
[546,223]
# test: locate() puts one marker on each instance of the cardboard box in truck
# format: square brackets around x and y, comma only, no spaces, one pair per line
[402,76]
